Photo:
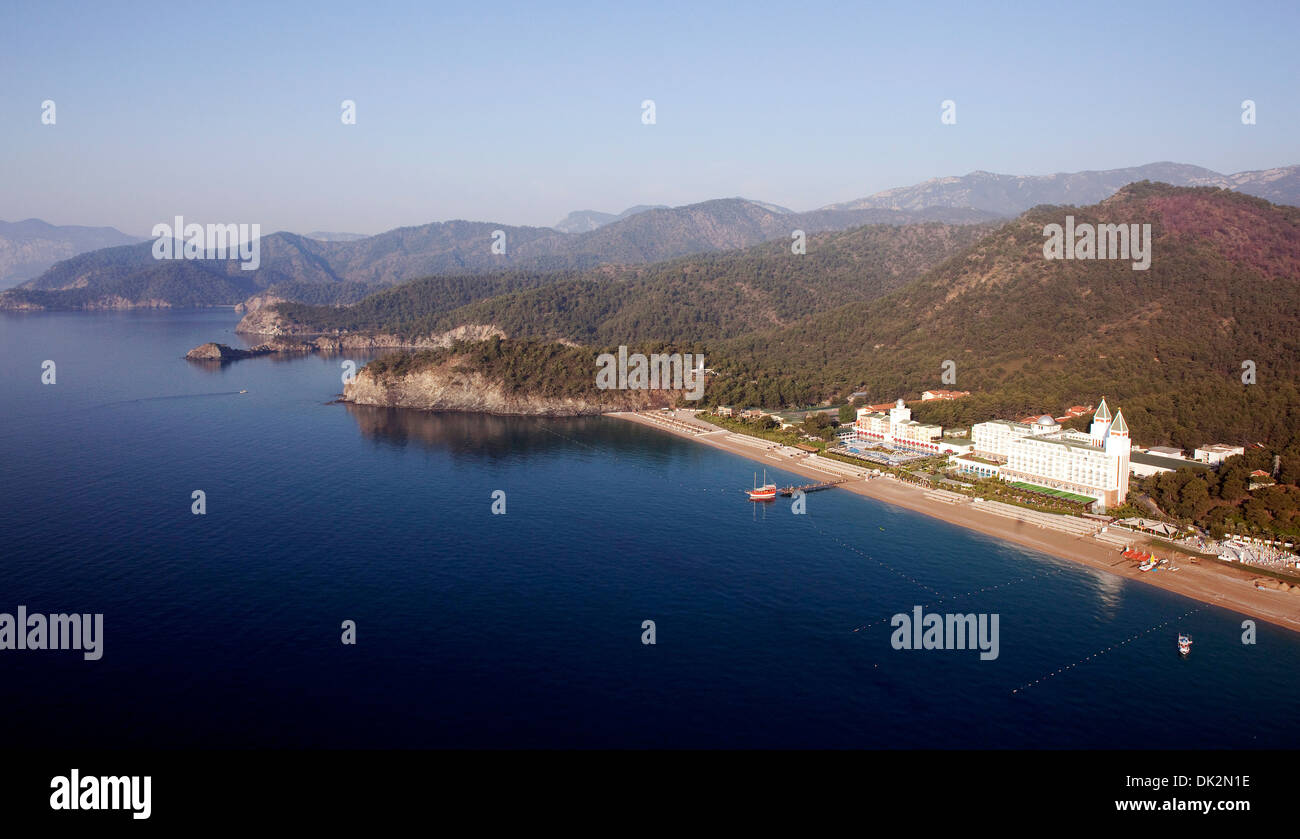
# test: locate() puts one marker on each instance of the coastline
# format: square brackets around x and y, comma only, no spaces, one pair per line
[1230,588]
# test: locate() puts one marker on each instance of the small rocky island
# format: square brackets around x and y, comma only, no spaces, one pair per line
[212,351]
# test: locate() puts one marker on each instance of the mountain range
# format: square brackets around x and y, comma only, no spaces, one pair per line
[299,268]
[1010,195]
[28,248]
[702,297]
[883,309]
[339,269]
[1171,345]
[585,221]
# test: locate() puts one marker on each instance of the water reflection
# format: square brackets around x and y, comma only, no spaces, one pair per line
[215,365]
[210,365]
[501,437]
[485,434]
[1109,590]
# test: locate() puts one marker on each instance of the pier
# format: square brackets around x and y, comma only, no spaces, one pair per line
[786,492]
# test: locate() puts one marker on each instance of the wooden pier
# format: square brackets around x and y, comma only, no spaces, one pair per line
[786,492]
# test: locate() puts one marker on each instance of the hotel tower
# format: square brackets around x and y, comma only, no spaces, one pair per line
[1095,464]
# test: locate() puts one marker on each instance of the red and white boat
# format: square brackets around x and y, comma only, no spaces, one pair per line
[766,492]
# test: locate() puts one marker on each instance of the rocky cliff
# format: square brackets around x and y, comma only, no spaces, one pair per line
[258,301]
[262,319]
[451,387]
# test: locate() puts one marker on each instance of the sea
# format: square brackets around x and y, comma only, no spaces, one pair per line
[525,626]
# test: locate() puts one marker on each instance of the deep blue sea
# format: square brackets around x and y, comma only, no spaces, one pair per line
[524,629]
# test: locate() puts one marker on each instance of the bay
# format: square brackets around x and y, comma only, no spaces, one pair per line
[524,629]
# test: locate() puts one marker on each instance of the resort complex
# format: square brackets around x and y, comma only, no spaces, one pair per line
[1084,467]
[898,428]
[1034,470]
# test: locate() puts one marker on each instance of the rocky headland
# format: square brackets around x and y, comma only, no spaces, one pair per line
[456,382]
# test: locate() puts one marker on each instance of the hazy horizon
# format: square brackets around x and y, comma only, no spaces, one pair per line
[522,115]
[611,211]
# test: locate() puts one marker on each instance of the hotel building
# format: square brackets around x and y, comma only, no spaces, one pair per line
[899,429]
[1095,464]
[1217,453]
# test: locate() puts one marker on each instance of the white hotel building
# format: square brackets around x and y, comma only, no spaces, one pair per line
[1095,464]
[899,429]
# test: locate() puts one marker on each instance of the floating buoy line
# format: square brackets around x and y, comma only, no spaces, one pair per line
[970,593]
[865,555]
[1101,653]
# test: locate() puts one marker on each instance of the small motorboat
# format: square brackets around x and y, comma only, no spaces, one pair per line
[1184,644]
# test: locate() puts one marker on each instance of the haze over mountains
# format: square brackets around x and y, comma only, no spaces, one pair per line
[340,268]
[1009,195]
[585,221]
[1026,334]
[700,297]
[326,236]
[28,248]
[310,270]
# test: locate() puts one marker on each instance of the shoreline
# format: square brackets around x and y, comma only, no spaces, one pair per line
[1230,588]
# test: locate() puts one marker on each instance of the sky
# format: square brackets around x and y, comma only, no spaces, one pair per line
[520,113]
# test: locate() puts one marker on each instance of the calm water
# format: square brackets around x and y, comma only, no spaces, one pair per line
[524,629]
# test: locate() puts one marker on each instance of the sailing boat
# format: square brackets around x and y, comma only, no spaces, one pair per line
[766,492]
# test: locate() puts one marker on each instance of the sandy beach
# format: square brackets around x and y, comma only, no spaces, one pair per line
[1231,588]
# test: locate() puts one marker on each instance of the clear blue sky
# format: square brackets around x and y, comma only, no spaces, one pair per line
[519,113]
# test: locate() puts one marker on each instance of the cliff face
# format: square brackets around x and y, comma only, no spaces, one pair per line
[258,301]
[262,320]
[330,344]
[380,341]
[447,387]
